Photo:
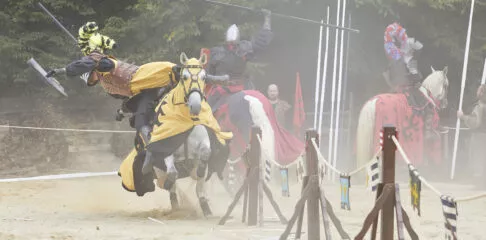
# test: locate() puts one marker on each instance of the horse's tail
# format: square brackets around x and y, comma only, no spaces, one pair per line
[260,119]
[365,133]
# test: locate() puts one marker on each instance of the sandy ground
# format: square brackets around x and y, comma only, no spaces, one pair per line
[98,208]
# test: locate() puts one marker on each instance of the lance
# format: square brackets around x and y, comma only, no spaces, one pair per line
[283,16]
[38,68]
[57,22]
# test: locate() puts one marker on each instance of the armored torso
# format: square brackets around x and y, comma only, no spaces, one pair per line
[232,62]
[117,80]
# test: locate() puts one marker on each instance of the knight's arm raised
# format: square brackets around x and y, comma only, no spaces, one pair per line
[262,38]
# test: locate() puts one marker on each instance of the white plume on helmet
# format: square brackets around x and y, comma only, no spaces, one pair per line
[233,34]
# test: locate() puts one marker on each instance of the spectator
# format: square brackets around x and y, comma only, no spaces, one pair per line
[477,122]
[280,107]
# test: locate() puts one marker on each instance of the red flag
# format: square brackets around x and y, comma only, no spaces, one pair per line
[299,113]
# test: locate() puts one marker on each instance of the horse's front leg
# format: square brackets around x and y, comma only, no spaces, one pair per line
[202,195]
[162,177]
[171,172]
[200,174]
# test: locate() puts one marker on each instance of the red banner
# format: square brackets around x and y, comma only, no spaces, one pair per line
[299,113]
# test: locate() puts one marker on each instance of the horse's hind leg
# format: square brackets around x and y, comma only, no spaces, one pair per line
[174,202]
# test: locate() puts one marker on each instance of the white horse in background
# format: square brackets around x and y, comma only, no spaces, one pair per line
[436,83]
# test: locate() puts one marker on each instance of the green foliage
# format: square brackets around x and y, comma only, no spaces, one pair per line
[159,30]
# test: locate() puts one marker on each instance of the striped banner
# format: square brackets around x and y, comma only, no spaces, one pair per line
[449,208]
[373,175]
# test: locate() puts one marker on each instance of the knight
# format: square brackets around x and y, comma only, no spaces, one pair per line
[138,86]
[400,49]
[404,77]
[231,59]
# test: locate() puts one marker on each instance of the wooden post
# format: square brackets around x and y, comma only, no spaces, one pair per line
[253,187]
[388,197]
[298,233]
[313,201]
[389,149]
[254,156]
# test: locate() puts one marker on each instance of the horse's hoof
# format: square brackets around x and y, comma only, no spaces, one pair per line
[173,201]
[205,207]
[168,184]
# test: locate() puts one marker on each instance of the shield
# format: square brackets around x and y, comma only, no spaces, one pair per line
[42,73]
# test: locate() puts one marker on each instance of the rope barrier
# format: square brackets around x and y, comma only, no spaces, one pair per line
[234,161]
[453,128]
[435,190]
[321,158]
[59,176]
[264,150]
[68,129]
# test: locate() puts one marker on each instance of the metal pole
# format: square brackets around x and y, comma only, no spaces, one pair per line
[483,78]
[333,97]
[57,22]
[283,16]
[346,63]
[324,78]
[463,85]
[316,96]
[338,104]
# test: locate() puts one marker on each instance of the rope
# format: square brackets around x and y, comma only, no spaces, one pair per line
[264,150]
[321,158]
[234,161]
[435,190]
[453,128]
[366,164]
[60,176]
[68,129]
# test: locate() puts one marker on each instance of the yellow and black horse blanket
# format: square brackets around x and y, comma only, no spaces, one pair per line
[172,125]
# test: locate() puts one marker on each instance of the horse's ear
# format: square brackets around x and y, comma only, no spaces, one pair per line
[183,58]
[445,70]
[203,59]
[432,68]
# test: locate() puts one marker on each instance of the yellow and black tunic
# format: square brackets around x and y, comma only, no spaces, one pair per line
[119,78]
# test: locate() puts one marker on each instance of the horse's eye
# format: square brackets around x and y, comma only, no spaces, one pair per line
[202,74]
[186,74]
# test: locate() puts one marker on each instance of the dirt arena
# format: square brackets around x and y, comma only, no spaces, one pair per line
[99,208]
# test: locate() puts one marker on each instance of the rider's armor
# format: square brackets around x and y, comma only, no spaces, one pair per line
[117,80]
[231,59]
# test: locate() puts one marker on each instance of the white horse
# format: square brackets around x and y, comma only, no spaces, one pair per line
[195,155]
[436,83]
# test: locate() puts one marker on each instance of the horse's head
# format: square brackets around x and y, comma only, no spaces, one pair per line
[192,79]
[438,85]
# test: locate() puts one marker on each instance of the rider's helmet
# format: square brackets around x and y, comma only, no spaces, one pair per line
[90,40]
[232,36]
